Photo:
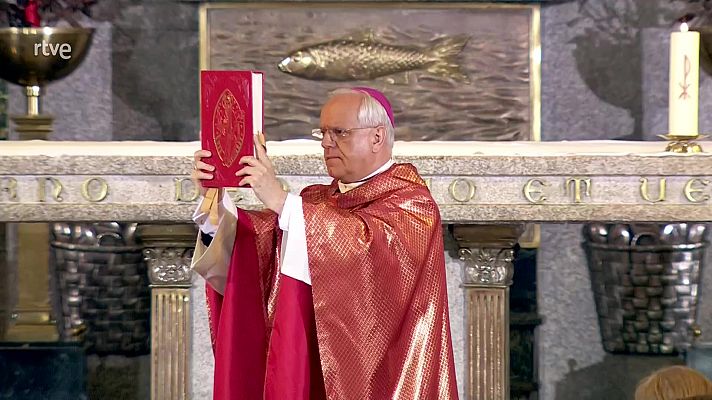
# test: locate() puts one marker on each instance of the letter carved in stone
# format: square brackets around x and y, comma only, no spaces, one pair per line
[9,186]
[645,194]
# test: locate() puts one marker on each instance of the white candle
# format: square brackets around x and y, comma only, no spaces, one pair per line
[684,82]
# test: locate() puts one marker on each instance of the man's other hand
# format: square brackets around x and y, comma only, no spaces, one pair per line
[259,174]
[202,171]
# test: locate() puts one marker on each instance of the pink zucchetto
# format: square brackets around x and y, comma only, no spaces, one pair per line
[381,99]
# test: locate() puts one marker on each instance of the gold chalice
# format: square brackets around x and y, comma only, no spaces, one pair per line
[33,57]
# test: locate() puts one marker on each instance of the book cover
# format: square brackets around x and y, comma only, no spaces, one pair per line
[231,114]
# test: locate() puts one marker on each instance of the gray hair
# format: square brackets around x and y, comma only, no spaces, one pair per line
[371,113]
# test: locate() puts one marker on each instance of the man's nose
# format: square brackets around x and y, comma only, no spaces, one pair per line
[326,141]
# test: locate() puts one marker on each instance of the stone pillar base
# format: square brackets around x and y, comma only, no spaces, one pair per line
[488,253]
[168,250]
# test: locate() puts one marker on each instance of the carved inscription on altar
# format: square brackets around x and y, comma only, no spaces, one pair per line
[462,190]
[95,189]
[694,190]
[8,189]
[56,189]
[575,185]
[533,191]
[447,190]
[645,190]
[185,190]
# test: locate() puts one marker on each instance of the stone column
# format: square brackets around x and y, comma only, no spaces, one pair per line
[168,249]
[488,252]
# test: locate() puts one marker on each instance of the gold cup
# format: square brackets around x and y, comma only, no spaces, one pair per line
[33,57]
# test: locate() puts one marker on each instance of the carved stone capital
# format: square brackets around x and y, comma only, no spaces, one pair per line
[169,265]
[488,266]
[487,251]
[168,250]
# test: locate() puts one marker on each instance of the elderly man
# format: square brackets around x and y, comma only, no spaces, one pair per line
[338,292]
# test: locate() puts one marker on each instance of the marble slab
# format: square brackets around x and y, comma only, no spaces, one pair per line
[472,182]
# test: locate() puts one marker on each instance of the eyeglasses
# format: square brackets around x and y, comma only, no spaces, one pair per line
[337,133]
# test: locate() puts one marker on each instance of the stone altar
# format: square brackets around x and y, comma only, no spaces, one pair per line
[485,191]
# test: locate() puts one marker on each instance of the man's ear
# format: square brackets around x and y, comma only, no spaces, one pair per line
[379,139]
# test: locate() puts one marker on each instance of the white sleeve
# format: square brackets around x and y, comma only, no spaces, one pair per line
[202,220]
[294,260]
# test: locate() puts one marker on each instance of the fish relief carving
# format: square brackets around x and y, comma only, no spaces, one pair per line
[362,57]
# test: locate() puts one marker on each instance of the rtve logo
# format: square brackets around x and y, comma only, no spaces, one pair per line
[48,49]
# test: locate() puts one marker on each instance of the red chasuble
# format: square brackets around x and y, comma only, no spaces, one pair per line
[373,325]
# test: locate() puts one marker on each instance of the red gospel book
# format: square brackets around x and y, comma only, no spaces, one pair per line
[231,105]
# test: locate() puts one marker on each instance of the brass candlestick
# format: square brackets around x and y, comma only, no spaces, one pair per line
[683,144]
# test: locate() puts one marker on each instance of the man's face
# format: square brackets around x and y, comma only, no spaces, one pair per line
[352,157]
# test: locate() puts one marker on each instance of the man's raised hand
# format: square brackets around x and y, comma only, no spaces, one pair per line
[259,173]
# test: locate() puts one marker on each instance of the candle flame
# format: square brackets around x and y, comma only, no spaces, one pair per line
[684,27]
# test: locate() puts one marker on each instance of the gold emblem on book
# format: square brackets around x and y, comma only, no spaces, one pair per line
[228,127]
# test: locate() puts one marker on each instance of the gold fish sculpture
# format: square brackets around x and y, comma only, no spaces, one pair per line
[364,58]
